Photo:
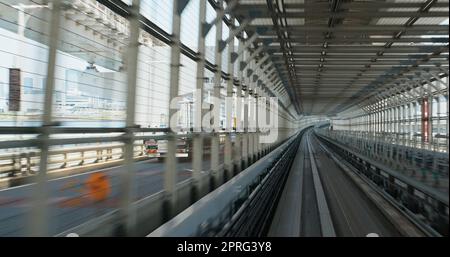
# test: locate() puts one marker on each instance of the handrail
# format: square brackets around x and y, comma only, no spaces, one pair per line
[439,195]
[22,164]
[423,203]
[214,210]
[255,214]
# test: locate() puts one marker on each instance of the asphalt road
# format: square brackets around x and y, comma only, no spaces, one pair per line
[70,205]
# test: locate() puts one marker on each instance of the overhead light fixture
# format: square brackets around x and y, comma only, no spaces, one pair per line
[325,45]
[323,53]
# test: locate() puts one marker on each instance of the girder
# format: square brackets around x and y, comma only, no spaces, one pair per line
[348,48]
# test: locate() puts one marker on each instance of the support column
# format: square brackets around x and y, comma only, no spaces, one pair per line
[239,129]
[402,123]
[438,122]
[170,175]
[127,209]
[256,134]
[245,135]
[430,121]
[446,130]
[228,152]
[251,115]
[38,214]
[197,160]
[215,145]
[416,123]
[410,125]
[425,119]
[379,118]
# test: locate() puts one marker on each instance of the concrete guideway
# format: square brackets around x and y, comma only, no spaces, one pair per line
[351,211]
[424,206]
[326,224]
[398,220]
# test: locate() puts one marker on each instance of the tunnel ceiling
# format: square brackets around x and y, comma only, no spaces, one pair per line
[334,54]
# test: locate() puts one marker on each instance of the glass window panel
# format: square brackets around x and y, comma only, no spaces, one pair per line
[159,12]
[189,24]
[225,34]
[211,36]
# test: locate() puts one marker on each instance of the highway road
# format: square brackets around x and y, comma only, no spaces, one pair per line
[70,204]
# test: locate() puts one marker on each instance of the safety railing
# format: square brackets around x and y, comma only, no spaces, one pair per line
[72,196]
[251,213]
[241,207]
[20,155]
[430,166]
[27,163]
[424,204]
[151,210]
[438,142]
[71,148]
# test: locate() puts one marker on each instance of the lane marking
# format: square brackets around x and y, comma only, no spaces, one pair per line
[326,222]
[388,208]
[340,205]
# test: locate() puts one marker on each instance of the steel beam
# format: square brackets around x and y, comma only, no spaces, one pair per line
[39,211]
[127,209]
[197,160]
[170,174]
[217,176]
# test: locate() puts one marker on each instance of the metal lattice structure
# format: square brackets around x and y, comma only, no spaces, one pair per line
[335,54]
